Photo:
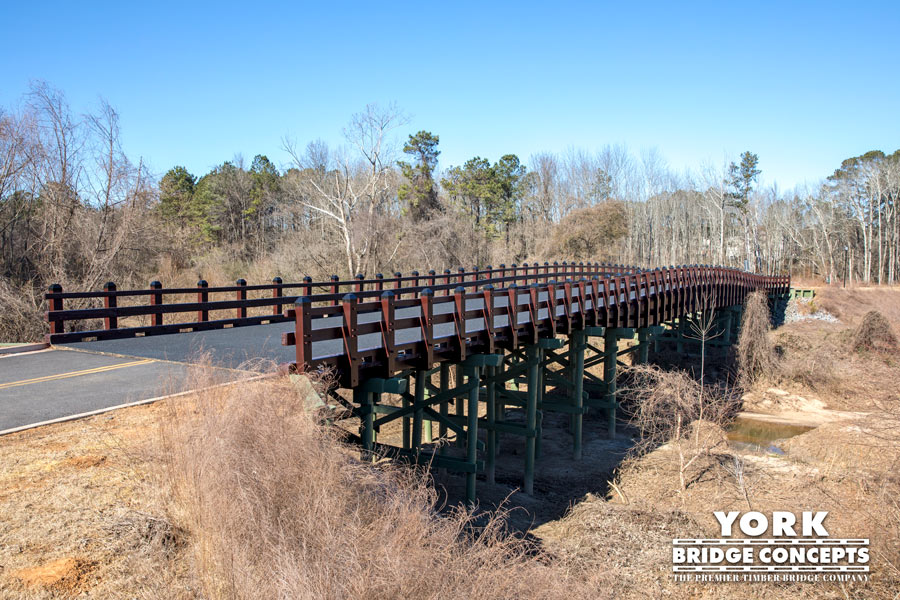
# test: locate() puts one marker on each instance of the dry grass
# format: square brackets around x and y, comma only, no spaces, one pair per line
[851,304]
[874,333]
[755,351]
[275,507]
[81,517]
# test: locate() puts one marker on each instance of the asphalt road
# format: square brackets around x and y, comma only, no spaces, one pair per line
[53,384]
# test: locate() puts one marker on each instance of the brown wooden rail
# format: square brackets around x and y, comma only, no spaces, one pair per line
[68,325]
[378,334]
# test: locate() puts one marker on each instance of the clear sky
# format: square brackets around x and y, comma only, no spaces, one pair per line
[802,84]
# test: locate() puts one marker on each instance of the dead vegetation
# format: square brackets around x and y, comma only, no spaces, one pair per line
[755,351]
[874,333]
[274,507]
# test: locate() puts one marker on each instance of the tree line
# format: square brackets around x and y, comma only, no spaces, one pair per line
[75,209]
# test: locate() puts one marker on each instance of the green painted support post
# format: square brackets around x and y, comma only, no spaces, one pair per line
[472,373]
[577,341]
[404,402]
[367,421]
[427,424]
[444,409]
[643,345]
[728,317]
[533,356]
[418,405]
[460,402]
[610,349]
[539,414]
[491,401]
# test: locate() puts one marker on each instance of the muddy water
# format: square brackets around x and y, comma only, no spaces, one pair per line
[761,436]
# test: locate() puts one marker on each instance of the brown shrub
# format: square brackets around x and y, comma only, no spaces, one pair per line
[755,350]
[275,507]
[874,333]
[21,319]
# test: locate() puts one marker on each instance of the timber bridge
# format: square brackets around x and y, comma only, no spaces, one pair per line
[470,354]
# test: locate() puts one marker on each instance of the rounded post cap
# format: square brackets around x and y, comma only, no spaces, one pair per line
[335,278]
[54,288]
[398,274]
[277,280]
[109,285]
[241,281]
[303,300]
[427,292]
[432,272]
[359,276]
[415,273]
[459,290]
[488,287]
[155,285]
[379,275]
[307,279]
[349,298]
[202,283]
[387,294]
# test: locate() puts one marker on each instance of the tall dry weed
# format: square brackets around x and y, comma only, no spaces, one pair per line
[755,349]
[276,507]
[874,333]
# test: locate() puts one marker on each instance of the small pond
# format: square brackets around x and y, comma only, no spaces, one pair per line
[761,436]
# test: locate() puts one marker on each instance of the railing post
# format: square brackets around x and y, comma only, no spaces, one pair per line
[57,325]
[156,299]
[202,298]
[358,286]
[241,294]
[488,299]
[335,288]
[351,338]
[459,295]
[426,298]
[388,332]
[379,282]
[110,302]
[303,332]
[512,312]
[277,292]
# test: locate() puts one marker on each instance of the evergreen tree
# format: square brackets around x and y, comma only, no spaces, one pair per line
[419,193]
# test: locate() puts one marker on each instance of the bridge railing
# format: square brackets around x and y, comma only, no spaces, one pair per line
[380,333]
[139,312]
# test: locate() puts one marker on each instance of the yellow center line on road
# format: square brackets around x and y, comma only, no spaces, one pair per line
[135,363]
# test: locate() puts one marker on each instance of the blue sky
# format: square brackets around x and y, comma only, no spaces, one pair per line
[802,84]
